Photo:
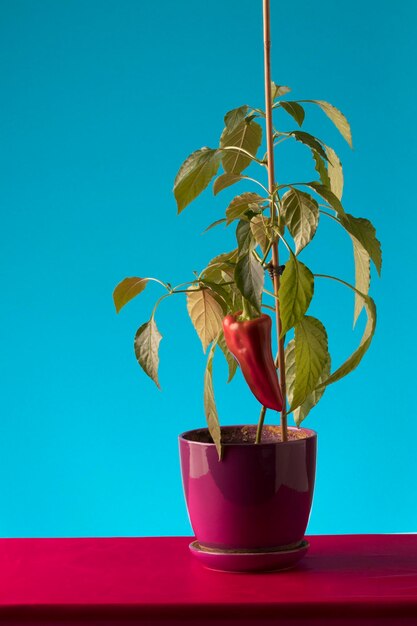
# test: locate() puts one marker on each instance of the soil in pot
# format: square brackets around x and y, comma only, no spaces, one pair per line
[247,434]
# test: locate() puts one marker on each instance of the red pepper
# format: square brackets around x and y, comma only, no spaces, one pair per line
[250,343]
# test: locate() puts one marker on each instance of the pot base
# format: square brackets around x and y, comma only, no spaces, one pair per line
[230,561]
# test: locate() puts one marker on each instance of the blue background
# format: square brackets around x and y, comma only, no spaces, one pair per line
[101,102]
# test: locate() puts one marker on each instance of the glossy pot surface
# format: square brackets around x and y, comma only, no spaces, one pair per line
[257,497]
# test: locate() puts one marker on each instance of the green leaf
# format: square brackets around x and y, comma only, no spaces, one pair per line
[206,314]
[311,355]
[221,269]
[308,140]
[295,293]
[337,117]
[365,247]
[335,173]
[216,223]
[224,181]
[314,397]
[262,231]
[301,214]
[235,116]
[301,412]
[245,136]
[328,195]
[147,340]
[230,359]
[290,369]
[365,233]
[225,258]
[249,278]
[194,175]
[240,204]
[245,239]
[353,361]
[222,293]
[210,403]
[321,169]
[362,275]
[219,264]
[278,90]
[128,289]
[235,298]
[295,110]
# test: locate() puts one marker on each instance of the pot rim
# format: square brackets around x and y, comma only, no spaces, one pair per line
[311,435]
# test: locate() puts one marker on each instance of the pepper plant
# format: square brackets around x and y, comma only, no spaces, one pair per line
[226,300]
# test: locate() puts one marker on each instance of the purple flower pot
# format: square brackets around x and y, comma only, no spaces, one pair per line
[258,498]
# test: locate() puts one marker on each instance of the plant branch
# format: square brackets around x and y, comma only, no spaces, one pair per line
[261,113]
[157,303]
[270,293]
[292,185]
[276,143]
[190,282]
[255,181]
[160,282]
[329,215]
[268,250]
[338,280]
[242,151]
[285,242]
[271,188]
[257,256]
[199,288]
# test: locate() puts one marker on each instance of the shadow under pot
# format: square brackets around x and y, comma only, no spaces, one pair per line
[249,511]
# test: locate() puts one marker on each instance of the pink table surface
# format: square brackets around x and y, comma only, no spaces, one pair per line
[356,579]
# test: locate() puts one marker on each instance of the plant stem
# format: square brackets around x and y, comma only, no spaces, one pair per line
[260,425]
[263,410]
[271,189]
[247,313]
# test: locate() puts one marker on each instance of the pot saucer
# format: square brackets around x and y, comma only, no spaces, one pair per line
[230,561]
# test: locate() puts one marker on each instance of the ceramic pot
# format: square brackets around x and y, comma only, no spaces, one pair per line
[258,497]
